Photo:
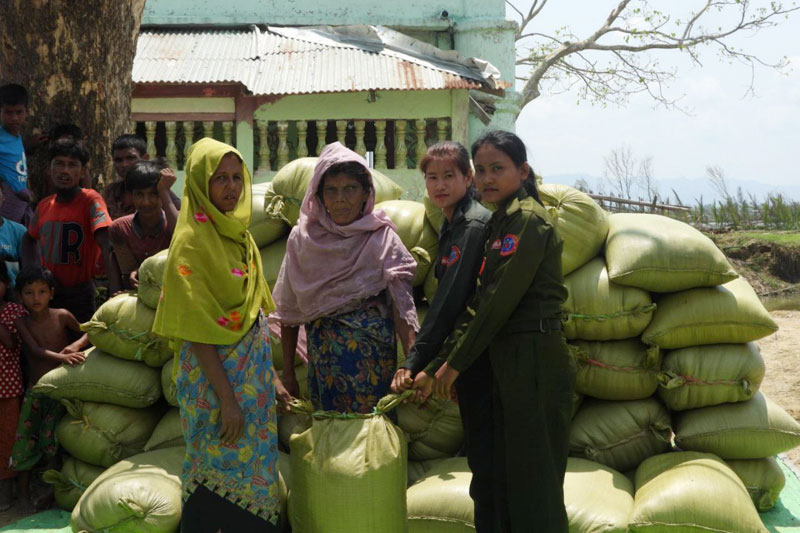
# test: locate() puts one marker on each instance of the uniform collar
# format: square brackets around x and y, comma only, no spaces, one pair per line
[460,212]
[511,204]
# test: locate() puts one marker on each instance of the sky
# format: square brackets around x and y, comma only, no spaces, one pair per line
[752,138]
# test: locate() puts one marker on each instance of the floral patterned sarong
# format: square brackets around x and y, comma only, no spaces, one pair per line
[352,358]
[245,473]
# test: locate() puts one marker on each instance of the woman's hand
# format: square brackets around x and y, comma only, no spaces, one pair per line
[445,377]
[289,383]
[134,279]
[282,396]
[232,419]
[423,385]
[402,380]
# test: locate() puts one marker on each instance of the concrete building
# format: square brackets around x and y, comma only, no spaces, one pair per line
[281,79]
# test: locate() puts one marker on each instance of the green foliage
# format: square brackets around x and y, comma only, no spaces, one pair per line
[740,213]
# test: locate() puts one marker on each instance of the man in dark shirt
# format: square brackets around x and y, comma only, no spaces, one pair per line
[126,150]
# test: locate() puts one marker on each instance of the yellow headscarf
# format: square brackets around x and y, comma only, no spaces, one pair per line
[213,286]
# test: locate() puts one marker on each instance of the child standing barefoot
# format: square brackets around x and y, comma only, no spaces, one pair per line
[515,376]
[11,385]
[45,334]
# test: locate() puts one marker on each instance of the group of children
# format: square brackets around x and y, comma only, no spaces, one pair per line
[50,259]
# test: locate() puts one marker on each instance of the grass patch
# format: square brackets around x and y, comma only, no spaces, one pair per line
[789,238]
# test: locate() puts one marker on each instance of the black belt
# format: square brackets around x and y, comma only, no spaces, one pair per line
[538,325]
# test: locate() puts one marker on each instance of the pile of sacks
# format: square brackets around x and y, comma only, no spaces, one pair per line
[669,430]
[661,329]
[122,430]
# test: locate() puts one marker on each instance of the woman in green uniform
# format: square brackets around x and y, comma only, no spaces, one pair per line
[507,355]
[449,183]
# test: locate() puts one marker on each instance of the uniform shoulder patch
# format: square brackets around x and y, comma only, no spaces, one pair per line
[453,257]
[509,245]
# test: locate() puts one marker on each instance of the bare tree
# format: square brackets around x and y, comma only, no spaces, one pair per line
[620,171]
[617,59]
[647,180]
[716,176]
[582,185]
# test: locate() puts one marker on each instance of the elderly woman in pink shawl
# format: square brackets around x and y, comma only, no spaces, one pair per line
[346,277]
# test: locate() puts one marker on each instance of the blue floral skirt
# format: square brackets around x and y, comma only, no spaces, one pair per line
[244,473]
[352,358]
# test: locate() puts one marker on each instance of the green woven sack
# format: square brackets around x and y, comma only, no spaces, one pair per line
[291,183]
[728,314]
[439,501]
[762,478]
[266,224]
[167,433]
[141,494]
[620,434]
[433,214]
[688,491]
[122,327]
[661,254]
[753,429]
[168,385]
[710,375]
[599,310]
[349,471]
[580,222]
[416,233]
[102,434]
[151,276]
[71,481]
[434,431]
[103,378]
[615,370]
[415,470]
[598,499]
[271,260]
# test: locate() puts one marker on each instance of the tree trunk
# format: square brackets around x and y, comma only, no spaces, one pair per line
[75,59]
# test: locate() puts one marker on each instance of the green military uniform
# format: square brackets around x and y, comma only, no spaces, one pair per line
[516,378]
[459,258]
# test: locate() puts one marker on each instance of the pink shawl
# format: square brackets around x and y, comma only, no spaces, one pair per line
[327,266]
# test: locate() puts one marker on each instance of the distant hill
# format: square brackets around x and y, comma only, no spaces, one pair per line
[689,190]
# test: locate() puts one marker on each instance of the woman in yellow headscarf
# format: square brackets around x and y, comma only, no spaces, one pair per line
[213,306]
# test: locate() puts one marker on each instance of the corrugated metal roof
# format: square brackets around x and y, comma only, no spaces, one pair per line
[306,60]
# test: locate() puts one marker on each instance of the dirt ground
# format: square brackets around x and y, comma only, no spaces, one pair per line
[781,353]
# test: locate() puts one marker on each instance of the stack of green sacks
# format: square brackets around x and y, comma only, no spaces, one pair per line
[115,401]
[663,333]
[662,330]
[113,405]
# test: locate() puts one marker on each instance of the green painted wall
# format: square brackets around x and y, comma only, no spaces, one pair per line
[359,105]
[183,105]
[408,13]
